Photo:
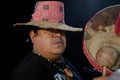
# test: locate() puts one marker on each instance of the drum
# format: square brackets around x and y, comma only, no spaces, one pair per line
[101,42]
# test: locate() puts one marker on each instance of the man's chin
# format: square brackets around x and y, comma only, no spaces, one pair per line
[58,52]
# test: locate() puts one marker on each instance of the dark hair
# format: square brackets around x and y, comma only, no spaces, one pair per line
[28,40]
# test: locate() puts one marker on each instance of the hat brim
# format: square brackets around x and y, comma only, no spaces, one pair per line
[53,25]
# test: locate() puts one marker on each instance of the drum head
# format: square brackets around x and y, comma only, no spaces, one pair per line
[100,43]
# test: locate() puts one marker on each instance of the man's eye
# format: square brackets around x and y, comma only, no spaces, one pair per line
[51,30]
[55,30]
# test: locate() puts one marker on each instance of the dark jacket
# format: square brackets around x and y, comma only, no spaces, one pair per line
[35,67]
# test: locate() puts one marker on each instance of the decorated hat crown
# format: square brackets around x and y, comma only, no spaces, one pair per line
[52,11]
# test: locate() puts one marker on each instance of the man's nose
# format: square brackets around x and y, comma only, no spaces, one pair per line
[58,34]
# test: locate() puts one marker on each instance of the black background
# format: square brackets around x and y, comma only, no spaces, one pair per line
[77,13]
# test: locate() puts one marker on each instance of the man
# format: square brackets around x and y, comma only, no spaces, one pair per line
[48,37]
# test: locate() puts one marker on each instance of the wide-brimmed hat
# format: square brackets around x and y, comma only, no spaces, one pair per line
[49,14]
[102,39]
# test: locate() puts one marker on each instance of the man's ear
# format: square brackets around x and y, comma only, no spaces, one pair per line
[32,36]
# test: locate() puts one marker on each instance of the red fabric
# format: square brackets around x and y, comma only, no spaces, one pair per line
[117,25]
[49,11]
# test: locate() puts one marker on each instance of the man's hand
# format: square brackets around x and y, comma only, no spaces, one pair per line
[101,78]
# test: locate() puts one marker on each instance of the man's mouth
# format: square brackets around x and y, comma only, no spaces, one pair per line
[59,42]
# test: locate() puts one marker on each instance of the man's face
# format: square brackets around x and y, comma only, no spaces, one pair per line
[49,41]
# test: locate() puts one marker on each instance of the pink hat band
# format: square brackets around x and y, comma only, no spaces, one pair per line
[49,11]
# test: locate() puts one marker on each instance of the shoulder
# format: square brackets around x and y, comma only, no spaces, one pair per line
[31,63]
[30,68]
